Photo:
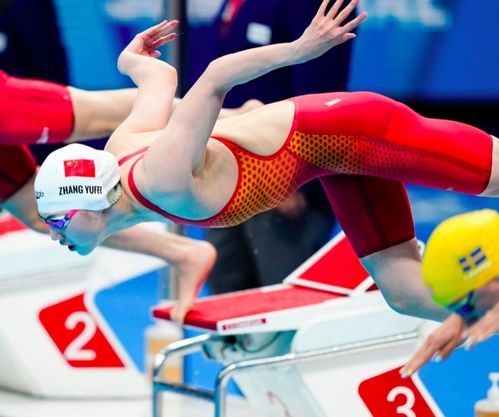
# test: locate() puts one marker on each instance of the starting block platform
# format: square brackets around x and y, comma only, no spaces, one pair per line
[324,343]
[303,295]
[275,308]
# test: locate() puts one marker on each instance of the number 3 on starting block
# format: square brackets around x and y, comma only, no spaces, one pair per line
[77,336]
[388,395]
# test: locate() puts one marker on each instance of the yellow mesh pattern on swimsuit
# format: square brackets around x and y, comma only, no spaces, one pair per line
[264,183]
[267,181]
[352,154]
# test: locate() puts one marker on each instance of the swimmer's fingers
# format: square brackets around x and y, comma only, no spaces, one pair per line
[484,328]
[164,39]
[160,34]
[330,27]
[352,24]
[339,18]
[438,345]
[159,30]
[157,36]
[147,42]
[333,11]
[421,357]
[325,30]
[322,9]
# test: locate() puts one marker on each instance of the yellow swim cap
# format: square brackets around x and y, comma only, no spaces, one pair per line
[462,254]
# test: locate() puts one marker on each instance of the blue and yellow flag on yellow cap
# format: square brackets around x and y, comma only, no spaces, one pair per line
[475,262]
[461,255]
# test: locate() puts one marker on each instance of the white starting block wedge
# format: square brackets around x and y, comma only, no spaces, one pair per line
[322,344]
[55,341]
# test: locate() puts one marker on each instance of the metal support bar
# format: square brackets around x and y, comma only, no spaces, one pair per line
[184,347]
[226,373]
[219,395]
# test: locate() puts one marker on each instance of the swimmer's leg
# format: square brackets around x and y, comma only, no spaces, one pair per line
[375,214]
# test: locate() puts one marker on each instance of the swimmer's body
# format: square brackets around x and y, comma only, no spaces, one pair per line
[37,112]
[363,146]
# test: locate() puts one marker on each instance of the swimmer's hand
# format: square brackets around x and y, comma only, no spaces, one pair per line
[438,345]
[484,328]
[143,49]
[327,30]
[452,334]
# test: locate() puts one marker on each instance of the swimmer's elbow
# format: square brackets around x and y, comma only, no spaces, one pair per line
[216,78]
[402,304]
[398,307]
[418,308]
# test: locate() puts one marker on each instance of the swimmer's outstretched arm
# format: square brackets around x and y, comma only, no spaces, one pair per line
[156,79]
[97,114]
[323,33]
[194,118]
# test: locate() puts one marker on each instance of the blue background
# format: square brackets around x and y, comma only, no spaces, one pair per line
[428,51]
[446,50]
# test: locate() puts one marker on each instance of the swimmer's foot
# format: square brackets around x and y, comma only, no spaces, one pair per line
[193,269]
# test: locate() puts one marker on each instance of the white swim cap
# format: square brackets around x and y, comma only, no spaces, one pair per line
[77,177]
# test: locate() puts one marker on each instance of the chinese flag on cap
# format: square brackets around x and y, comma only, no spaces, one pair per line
[79,168]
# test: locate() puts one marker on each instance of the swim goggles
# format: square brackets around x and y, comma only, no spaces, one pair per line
[59,222]
[465,306]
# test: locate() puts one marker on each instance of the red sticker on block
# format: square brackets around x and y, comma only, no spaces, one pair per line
[389,395]
[77,335]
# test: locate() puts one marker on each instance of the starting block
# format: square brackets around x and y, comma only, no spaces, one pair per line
[57,339]
[324,343]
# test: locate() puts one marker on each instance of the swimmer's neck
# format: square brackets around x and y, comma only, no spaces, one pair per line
[124,214]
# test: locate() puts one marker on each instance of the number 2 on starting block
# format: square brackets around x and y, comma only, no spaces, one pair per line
[77,335]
